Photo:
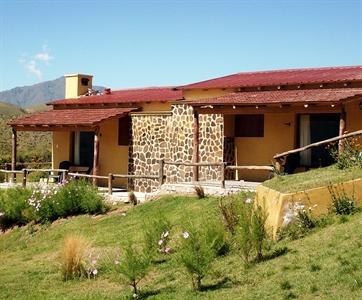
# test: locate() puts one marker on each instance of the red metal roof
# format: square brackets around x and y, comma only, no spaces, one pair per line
[283,96]
[70,117]
[281,77]
[127,96]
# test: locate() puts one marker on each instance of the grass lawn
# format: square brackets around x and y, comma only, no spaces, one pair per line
[327,264]
[312,179]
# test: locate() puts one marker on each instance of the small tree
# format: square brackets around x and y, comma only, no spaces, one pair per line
[134,265]
[258,230]
[243,234]
[157,235]
[196,254]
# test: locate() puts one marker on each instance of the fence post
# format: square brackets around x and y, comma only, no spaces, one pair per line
[64,176]
[223,175]
[161,171]
[24,178]
[110,178]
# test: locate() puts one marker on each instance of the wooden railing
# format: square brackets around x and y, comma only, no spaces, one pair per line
[111,177]
[279,158]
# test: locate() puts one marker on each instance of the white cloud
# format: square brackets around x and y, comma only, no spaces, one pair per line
[32,68]
[33,63]
[44,56]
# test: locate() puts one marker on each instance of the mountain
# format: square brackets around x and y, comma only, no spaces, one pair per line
[8,110]
[33,95]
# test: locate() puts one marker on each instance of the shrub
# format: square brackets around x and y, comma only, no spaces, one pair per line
[197,252]
[157,235]
[74,198]
[14,207]
[258,230]
[133,266]
[342,204]
[132,198]
[35,176]
[243,235]
[230,213]
[351,155]
[199,190]
[215,237]
[72,257]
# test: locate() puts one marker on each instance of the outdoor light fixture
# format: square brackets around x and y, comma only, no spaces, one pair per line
[257,107]
[332,105]
[306,105]
[234,107]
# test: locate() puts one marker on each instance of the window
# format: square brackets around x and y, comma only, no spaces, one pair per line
[124,125]
[84,81]
[249,125]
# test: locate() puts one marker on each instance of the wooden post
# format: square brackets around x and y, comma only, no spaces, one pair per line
[223,175]
[342,128]
[64,176]
[161,171]
[96,156]
[196,146]
[110,178]
[13,153]
[24,178]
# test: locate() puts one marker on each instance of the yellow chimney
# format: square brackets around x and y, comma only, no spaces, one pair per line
[77,85]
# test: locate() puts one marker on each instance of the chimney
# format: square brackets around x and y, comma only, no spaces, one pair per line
[77,85]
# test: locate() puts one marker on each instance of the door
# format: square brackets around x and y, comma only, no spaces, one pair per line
[84,148]
[314,128]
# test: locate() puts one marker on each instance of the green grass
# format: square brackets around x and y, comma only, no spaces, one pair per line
[327,264]
[312,179]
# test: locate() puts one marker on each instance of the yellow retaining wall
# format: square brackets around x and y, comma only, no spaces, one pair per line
[277,204]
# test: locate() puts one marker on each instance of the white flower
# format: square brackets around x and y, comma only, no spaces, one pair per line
[248,201]
[116,262]
[94,261]
[95,272]
[2,214]
[160,242]
[165,234]
[185,235]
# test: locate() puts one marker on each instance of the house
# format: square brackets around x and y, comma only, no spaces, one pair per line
[241,119]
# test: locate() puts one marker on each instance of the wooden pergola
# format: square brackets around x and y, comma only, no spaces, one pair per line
[82,119]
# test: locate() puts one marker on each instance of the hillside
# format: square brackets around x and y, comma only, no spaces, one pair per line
[40,93]
[8,110]
[326,264]
[32,146]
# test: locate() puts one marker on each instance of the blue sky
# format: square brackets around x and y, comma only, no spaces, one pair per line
[149,43]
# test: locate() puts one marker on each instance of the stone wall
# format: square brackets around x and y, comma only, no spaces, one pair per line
[169,136]
[211,145]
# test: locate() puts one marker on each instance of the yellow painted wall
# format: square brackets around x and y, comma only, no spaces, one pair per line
[277,204]
[73,86]
[155,106]
[278,137]
[354,116]
[61,147]
[112,158]
[200,94]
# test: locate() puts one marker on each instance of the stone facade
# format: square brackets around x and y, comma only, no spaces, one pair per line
[169,136]
[211,145]
[229,156]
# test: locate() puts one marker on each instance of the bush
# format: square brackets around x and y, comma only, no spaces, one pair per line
[230,212]
[132,198]
[351,155]
[157,235]
[14,207]
[197,252]
[342,204]
[72,257]
[215,237]
[199,190]
[133,266]
[258,230]
[74,198]
[35,176]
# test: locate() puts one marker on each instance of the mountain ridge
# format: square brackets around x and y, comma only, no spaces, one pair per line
[39,93]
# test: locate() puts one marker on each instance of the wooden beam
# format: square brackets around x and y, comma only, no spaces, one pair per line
[342,128]
[196,146]
[335,139]
[13,152]
[229,110]
[96,156]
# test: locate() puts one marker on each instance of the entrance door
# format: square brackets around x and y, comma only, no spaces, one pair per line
[314,128]
[84,148]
